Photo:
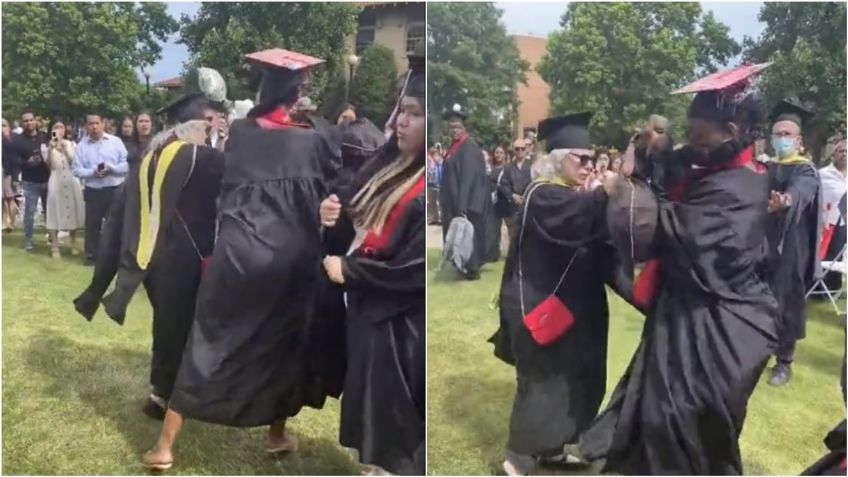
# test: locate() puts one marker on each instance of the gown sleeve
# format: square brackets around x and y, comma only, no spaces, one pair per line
[567,217]
[405,270]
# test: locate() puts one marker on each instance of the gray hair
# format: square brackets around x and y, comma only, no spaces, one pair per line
[183,131]
[548,166]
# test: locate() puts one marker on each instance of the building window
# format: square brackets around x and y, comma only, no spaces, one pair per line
[414,35]
[367,30]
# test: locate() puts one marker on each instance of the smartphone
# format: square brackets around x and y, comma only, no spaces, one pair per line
[101,166]
[55,135]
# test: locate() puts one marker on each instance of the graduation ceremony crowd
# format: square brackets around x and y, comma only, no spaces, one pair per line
[715,238]
[282,255]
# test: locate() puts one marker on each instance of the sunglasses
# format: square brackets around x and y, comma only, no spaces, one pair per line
[519,148]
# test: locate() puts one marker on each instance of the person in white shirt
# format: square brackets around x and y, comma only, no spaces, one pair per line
[833,193]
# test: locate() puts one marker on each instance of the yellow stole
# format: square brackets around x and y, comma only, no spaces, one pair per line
[557,181]
[794,159]
[150,214]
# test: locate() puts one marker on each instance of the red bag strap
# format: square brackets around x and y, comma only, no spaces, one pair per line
[521,241]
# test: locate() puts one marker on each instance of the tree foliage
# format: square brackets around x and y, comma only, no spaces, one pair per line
[471,61]
[372,91]
[65,59]
[621,60]
[222,33]
[806,44]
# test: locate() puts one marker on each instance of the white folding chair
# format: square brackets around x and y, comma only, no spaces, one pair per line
[837,265]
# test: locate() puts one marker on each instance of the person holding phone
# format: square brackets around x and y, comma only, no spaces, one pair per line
[65,207]
[101,162]
[34,173]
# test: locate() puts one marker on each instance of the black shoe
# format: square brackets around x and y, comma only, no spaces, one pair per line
[781,373]
[153,410]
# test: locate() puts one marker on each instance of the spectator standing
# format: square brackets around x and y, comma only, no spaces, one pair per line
[833,200]
[434,184]
[13,155]
[34,173]
[65,207]
[101,162]
[143,132]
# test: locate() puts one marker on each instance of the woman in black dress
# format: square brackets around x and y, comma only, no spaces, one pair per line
[383,276]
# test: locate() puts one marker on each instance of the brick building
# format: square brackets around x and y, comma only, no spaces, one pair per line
[533,102]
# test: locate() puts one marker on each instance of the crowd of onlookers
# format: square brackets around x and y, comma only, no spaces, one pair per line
[70,174]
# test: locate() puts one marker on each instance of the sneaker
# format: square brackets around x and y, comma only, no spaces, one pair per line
[511,469]
[28,246]
[781,373]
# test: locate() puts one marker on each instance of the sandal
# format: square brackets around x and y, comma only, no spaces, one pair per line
[288,444]
[152,465]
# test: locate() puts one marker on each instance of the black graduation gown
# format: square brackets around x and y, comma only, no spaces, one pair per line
[383,406]
[561,385]
[680,406]
[172,277]
[793,238]
[501,208]
[466,190]
[249,358]
[518,178]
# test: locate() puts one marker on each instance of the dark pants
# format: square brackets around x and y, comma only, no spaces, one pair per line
[785,352]
[33,192]
[434,214]
[97,202]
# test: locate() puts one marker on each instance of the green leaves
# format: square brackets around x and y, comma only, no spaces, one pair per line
[222,33]
[806,43]
[472,61]
[64,59]
[373,87]
[620,60]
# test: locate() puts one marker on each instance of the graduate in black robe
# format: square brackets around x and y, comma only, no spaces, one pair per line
[465,188]
[257,352]
[709,331]
[177,182]
[560,248]
[793,231]
[501,208]
[383,408]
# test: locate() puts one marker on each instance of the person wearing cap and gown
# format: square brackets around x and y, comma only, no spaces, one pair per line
[157,235]
[382,216]
[260,348]
[560,249]
[793,231]
[465,188]
[709,329]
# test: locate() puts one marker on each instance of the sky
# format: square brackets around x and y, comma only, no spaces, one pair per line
[531,18]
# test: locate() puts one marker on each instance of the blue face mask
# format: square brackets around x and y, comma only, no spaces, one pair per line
[783,146]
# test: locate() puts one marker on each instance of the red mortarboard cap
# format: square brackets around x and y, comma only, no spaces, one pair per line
[280,58]
[723,80]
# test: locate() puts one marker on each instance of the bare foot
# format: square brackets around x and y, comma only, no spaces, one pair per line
[158,459]
[276,443]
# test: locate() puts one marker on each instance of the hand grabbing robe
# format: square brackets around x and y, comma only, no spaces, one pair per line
[681,404]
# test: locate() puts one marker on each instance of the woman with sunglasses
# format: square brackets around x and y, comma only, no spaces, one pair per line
[558,264]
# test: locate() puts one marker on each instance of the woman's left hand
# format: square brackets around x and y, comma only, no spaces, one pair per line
[333,266]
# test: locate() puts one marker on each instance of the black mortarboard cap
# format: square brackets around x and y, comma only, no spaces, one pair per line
[455,112]
[789,111]
[566,132]
[185,109]
[362,135]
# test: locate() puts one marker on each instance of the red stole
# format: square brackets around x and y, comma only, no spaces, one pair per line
[646,286]
[456,145]
[373,242]
[278,119]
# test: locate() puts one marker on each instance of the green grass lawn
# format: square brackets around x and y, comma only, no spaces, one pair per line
[469,391]
[72,390]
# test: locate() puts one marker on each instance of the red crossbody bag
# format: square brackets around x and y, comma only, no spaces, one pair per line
[551,319]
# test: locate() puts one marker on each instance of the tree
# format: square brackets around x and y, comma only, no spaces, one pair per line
[806,44]
[222,33]
[621,61]
[471,61]
[65,59]
[372,91]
